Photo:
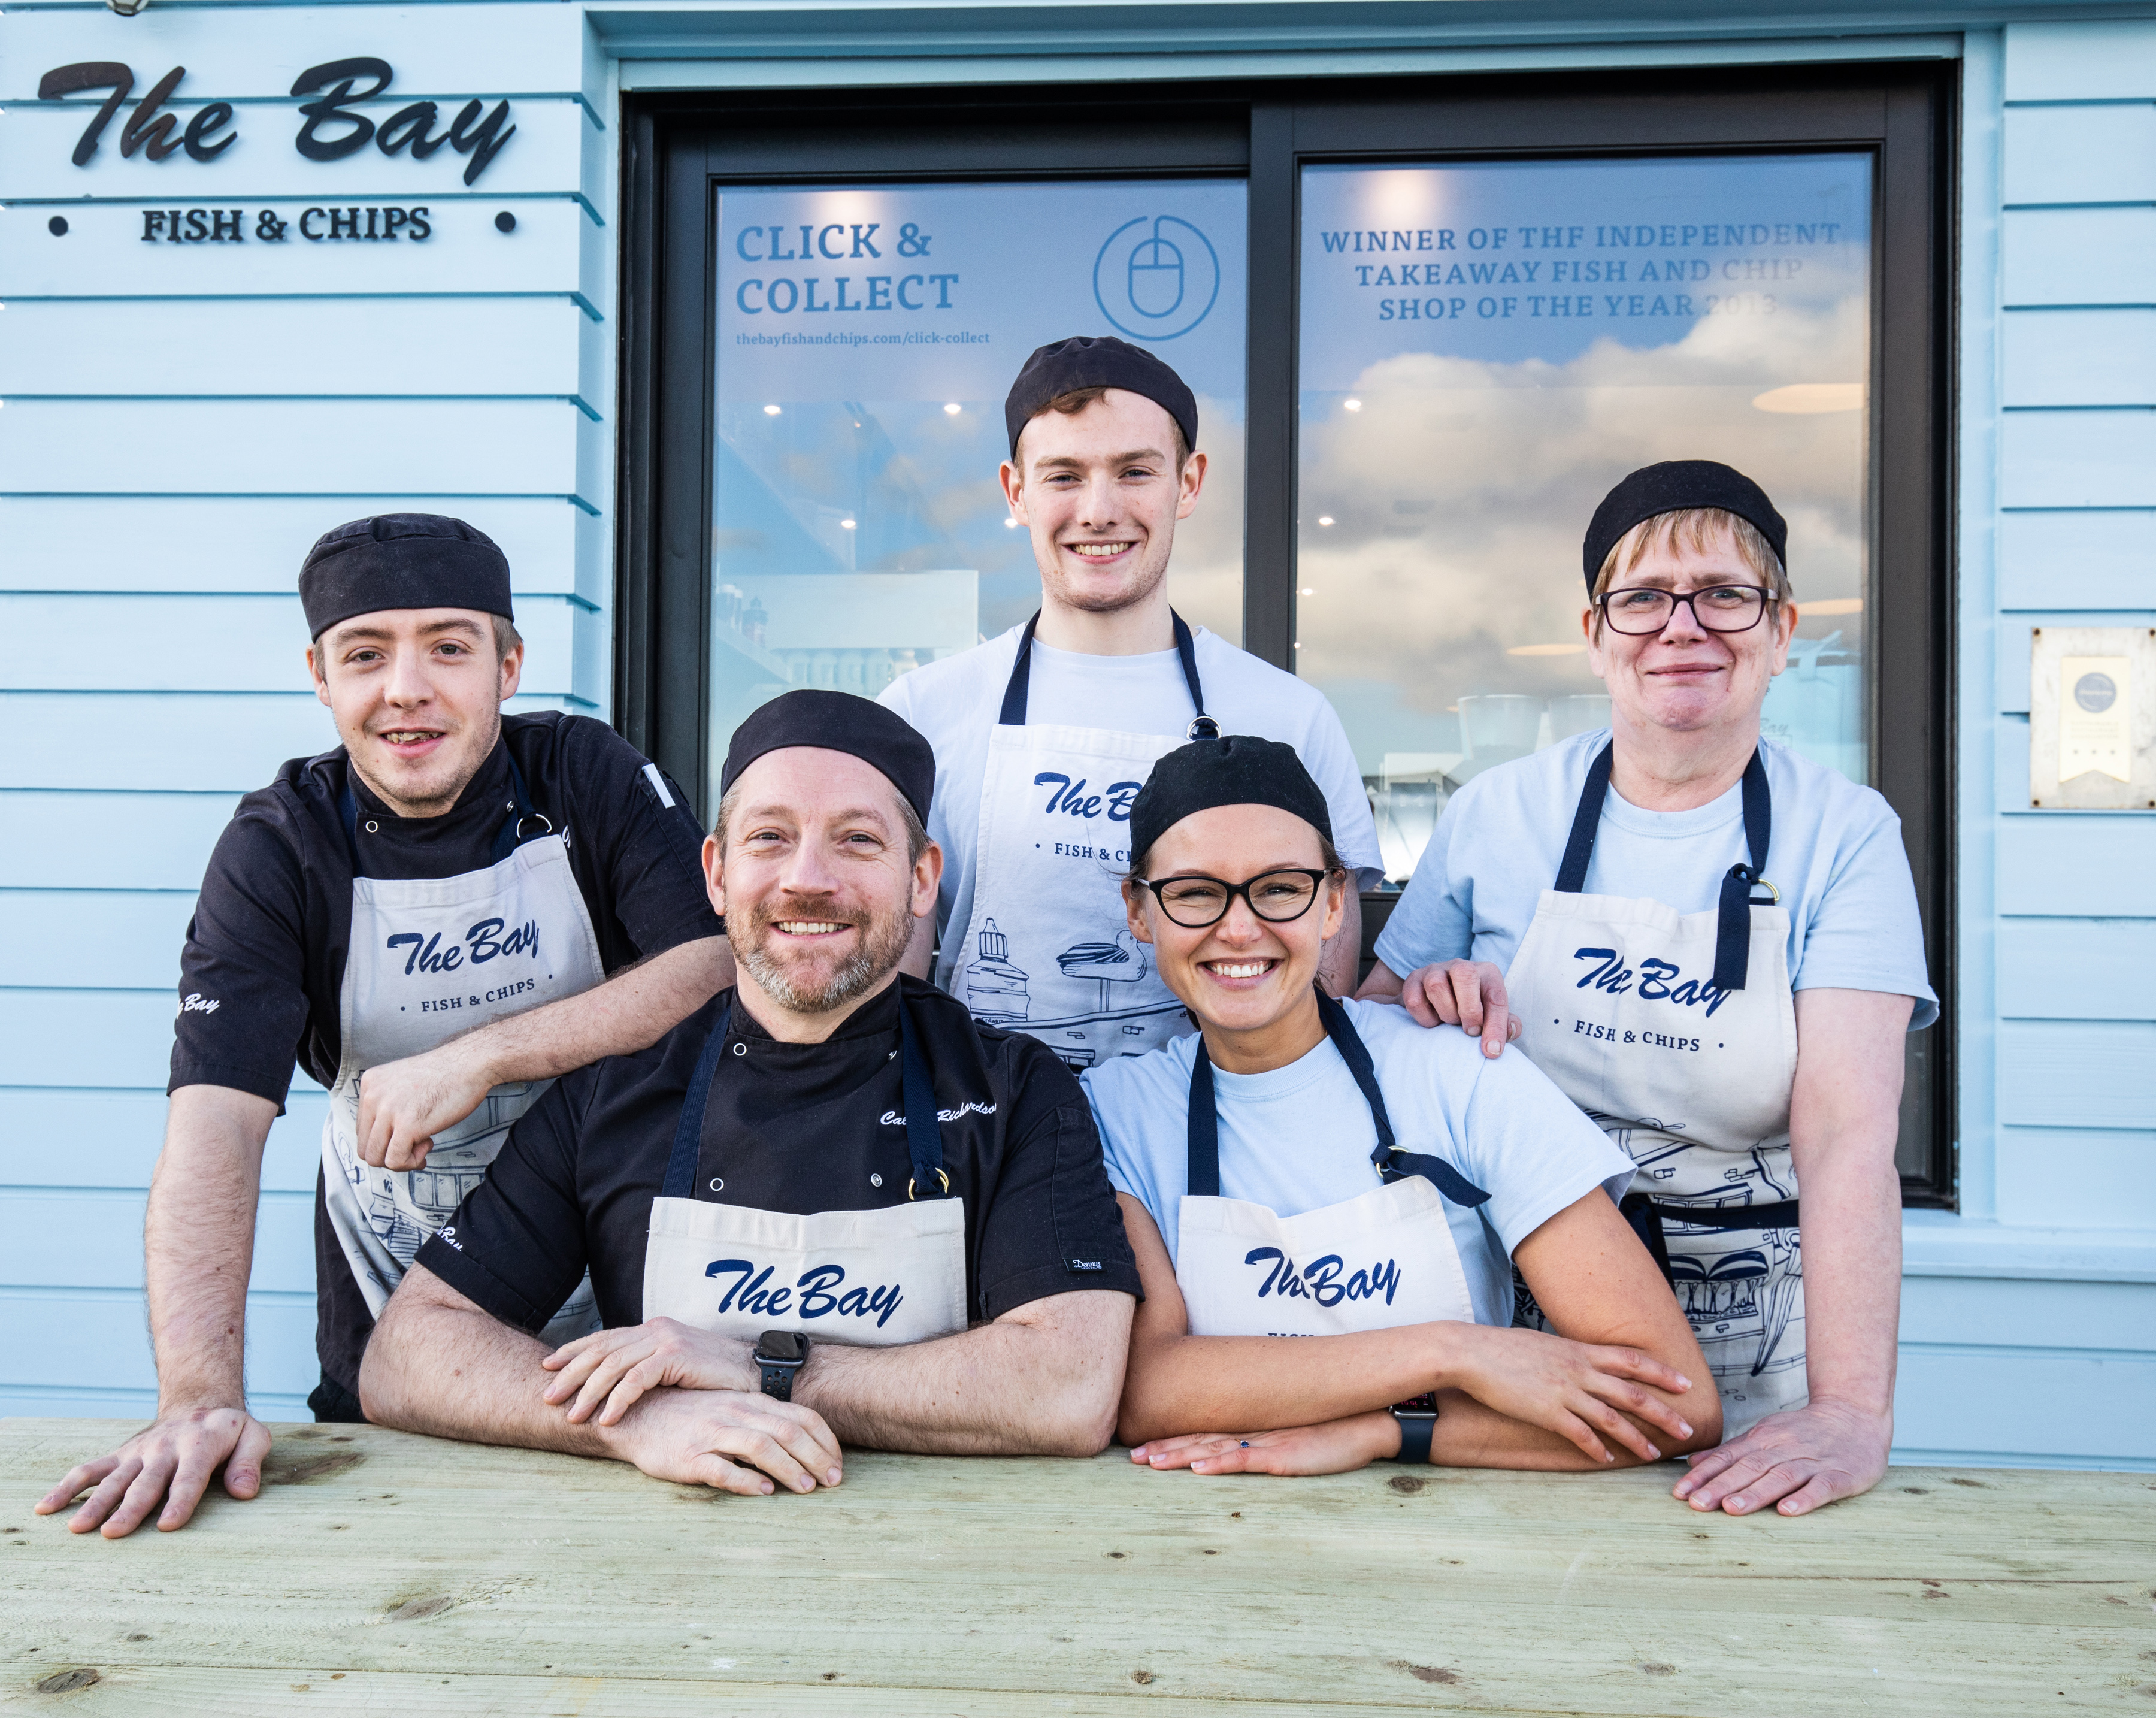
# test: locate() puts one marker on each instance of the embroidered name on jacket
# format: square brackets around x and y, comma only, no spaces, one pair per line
[820,1296]
[892,1118]
[482,942]
[1320,1280]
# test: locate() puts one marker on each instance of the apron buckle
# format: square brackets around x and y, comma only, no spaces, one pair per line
[546,826]
[940,1176]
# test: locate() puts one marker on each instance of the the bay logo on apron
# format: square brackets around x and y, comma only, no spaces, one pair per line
[876,1278]
[431,959]
[1676,1033]
[1047,950]
[1383,1259]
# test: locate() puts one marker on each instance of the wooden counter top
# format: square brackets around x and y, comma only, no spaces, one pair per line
[398,1574]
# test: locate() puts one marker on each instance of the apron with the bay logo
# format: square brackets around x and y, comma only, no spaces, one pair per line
[1381,1260]
[1048,951]
[873,1278]
[429,959]
[1678,1034]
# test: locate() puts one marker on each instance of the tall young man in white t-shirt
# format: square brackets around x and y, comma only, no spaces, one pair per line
[1044,735]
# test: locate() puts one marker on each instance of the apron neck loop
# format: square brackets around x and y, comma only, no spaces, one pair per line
[1732,927]
[1018,687]
[680,1181]
[924,1133]
[1203,1171]
[506,839]
[1580,845]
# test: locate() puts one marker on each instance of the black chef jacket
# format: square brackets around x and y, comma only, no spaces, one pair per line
[573,1188]
[264,965]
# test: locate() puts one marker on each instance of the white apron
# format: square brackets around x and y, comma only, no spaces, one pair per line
[1381,1260]
[1627,1004]
[429,959]
[1048,951]
[872,1279]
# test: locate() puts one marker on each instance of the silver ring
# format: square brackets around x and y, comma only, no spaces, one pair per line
[741,1049]
[718,1184]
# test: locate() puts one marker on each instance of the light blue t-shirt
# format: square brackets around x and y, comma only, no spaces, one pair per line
[1835,851]
[1300,1138]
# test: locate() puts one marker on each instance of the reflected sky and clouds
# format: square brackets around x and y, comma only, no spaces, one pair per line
[867,336]
[1485,350]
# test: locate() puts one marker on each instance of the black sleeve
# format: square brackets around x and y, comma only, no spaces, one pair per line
[649,854]
[243,999]
[1053,1225]
[516,1247]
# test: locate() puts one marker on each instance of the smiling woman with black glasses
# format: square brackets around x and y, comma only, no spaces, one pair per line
[1711,944]
[1327,1201]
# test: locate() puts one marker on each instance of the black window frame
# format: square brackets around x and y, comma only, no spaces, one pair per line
[681,148]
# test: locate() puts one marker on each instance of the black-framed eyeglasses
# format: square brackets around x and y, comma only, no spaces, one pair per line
[1277,897]
[1725,608]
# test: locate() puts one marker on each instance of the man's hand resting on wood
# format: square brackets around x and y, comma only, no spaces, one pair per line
[171,1460]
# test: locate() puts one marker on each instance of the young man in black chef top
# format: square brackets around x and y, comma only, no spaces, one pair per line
[446,868]
[830,1205]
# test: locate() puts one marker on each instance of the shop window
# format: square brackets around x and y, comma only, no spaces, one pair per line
[867,335]
[1744,264]
[1485,348]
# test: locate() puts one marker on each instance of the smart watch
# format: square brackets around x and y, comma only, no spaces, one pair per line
[780,1354]
[1418,1421]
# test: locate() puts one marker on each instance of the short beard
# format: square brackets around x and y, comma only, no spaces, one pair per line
[882,947]
[1116,602]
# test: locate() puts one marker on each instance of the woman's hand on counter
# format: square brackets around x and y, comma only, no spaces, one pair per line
[1336,1447]
[1577,1390]
[1799,1460]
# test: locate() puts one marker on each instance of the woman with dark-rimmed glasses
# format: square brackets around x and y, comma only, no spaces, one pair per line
[1711,944]
[1327,1201]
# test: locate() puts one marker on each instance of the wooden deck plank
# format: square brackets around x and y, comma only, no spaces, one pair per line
[398,1573]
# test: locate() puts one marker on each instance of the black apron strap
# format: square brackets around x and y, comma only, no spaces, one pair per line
[1202,726]
[1017,688]
[1013,713]
[924,1133]
[1580,845]
[507,839]
[1647,1215]
[680,1181]
[1201,1175]
[513,833]
[1733,929]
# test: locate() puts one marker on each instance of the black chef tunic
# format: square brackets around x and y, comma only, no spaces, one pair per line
[573,1186]
[263,966]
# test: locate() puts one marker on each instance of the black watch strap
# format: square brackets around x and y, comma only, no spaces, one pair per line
[778,1377]
[1417,1419]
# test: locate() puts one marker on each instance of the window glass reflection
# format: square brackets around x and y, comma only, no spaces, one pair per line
[866,338]
[1486,349]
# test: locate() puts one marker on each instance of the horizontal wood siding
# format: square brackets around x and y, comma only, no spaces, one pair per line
[2058,961]
[181,421]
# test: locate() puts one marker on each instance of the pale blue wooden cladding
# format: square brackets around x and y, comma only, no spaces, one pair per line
[181,421]
[181,418]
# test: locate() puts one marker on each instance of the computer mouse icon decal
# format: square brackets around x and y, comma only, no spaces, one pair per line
[1157,276]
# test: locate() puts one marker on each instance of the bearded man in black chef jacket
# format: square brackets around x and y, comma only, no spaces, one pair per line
[830,1205]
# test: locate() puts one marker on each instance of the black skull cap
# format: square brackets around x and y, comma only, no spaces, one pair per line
[1673,486]
[1097,360]
[1235,770]
[402,561]
[837,721]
